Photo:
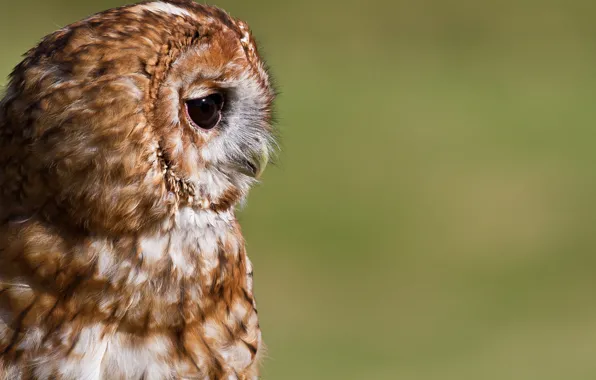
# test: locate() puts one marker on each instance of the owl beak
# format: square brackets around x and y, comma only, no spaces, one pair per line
[263,159]
[259,160]
[254,164]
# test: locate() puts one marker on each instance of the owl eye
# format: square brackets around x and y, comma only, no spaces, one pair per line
[205,112]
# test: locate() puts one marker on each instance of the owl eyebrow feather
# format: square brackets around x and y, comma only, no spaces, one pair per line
[168,54]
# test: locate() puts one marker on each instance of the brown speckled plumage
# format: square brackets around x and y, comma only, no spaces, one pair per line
[120,255]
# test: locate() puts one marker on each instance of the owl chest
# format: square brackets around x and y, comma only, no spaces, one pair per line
[195,316]
[172,305]
[220,343]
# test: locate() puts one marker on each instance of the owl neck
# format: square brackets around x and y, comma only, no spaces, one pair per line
[190,248]
[193,242]
[143,282]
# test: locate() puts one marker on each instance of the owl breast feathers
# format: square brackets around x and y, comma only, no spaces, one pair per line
[126,141]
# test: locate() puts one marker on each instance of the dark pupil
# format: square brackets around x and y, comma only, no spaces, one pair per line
[205,112]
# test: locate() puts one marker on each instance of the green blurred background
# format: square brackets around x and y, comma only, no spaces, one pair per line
[431,215]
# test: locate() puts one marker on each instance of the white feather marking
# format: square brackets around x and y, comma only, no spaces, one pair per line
[129,360]
[88,352]
[195,232]
[160,7]
[154,248]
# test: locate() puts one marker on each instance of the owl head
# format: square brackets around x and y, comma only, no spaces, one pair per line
[115,122]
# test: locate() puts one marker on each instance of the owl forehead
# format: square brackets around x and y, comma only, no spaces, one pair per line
[128,40]
[211,22]
[228,40]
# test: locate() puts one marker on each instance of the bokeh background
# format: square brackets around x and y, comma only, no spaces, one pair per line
[432,214]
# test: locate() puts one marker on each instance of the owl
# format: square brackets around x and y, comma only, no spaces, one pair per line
[126,142]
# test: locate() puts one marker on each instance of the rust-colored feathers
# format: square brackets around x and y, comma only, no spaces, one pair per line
[120,255]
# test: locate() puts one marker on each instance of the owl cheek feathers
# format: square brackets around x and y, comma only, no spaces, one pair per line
[98,163]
